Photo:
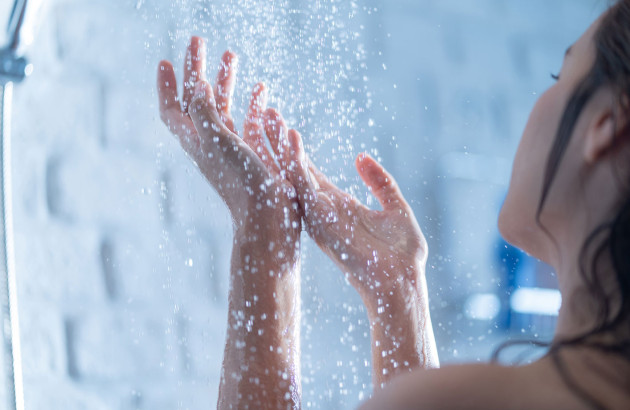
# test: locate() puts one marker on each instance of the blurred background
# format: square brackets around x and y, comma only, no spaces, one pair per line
[122,248]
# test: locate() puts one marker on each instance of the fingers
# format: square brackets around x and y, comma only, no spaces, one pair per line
[194,68]
[253,128]
[214,135]
[224,90]
[257,106]
[277,133]
[167,87]
[170,111]
[226,161]
[380,182]
[299,175]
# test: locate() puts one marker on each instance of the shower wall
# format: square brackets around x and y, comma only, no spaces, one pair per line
[109,293]
[122,248]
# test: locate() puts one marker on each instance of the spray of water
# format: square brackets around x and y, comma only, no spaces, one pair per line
[311,56]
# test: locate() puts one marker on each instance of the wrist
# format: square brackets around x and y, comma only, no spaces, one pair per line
[399,304]
[264,273]
[261,220]
[279,250]
[402,292]
[264,297]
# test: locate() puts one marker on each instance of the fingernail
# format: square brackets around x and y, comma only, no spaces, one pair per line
[362,156]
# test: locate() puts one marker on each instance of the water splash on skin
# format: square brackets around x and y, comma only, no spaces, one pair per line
[311,58]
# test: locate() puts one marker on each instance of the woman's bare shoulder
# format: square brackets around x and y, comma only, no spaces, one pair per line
[477,386]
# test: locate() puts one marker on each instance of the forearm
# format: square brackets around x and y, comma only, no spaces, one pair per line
[261,365]
[401,332]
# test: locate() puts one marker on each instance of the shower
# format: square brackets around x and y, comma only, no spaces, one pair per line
[13,69]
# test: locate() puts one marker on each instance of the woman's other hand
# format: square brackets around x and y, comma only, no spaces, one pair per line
[382,253]
[377,250]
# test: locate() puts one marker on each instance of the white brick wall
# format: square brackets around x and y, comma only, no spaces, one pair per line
[123,249]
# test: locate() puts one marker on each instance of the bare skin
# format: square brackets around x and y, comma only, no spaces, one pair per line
[585,194]
[383,253]
[261,366]
[535,386]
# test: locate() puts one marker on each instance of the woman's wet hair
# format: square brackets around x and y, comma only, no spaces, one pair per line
[611,69]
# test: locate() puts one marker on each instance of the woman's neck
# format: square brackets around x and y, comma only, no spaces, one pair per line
[586,288]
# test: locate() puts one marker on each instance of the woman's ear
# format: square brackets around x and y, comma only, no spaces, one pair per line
[608,129]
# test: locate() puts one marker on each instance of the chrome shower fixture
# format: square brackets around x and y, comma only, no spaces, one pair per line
[20,32]
[22,24]
[13,69]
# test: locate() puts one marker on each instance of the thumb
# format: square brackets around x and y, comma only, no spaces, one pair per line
[380,182]
[298,174]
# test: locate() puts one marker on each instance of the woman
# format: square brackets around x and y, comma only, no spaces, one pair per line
[568,204]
